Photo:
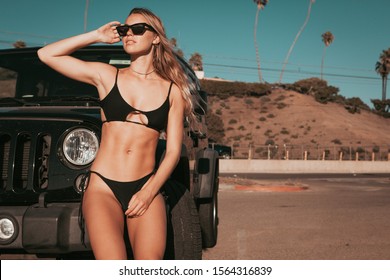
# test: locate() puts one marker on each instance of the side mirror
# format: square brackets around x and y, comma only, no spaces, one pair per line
[203,166]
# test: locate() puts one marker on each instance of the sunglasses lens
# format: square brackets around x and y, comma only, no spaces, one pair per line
[122,30]
[138,29]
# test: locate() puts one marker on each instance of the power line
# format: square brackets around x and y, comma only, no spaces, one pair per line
[291,64]
[28,34]
[292,71]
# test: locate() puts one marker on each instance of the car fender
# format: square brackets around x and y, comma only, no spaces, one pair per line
[205,172]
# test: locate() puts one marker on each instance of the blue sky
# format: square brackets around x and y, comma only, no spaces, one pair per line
[222,32]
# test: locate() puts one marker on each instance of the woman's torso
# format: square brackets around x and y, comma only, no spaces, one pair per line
[128,146]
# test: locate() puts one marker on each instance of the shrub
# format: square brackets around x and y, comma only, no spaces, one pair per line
[284,131]
[280,98]
[249,102]
[336,141]
[281,105]
[382,108]
[360,150]
[316,87]
[265,99]
[268,132]
[225,89]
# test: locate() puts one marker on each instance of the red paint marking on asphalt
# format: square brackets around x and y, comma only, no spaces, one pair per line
[270,188]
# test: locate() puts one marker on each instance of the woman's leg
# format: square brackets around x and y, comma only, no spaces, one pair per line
[148,232]
[104,220]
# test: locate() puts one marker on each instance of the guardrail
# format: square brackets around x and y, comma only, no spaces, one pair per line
[311,152]
[303,166]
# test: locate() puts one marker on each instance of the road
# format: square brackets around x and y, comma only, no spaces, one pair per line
[303,218]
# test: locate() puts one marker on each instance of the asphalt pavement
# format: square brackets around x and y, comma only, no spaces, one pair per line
[323,217]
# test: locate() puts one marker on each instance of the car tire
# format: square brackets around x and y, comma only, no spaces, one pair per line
[184,239]
[208,217]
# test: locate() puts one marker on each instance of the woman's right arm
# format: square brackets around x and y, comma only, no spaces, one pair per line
[57,54]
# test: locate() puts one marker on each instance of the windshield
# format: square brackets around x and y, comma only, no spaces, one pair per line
[24,79]
[43,83]
[7,83]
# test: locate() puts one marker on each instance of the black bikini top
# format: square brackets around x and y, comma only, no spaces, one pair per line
[115,108]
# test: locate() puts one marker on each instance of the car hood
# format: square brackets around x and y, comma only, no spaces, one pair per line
[52,112]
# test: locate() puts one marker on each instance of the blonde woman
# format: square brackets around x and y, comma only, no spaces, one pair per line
[138,102]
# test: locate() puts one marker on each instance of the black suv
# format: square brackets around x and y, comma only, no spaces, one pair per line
[223,151]
[50,129]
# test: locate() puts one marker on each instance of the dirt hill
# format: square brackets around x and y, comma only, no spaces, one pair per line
[290,118]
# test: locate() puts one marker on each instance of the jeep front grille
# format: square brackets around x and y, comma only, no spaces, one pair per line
[5,141]
[21,156]
[24,161]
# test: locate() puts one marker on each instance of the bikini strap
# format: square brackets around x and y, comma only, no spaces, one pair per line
[169,91]
[100,175]
[116,77]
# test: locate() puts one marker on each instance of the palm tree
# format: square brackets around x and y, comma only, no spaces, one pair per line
[327,38]
[382,67]
[311,2]
[178,51]
[19,44]
[196,62]
[260,5]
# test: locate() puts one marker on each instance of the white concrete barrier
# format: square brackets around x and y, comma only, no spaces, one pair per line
[302,166]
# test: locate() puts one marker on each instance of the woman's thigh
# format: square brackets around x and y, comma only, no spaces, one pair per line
[148,232]
[104,220]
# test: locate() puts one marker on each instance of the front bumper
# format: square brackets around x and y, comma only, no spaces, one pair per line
[40,229]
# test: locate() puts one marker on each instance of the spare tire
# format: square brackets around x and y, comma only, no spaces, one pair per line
[184,239]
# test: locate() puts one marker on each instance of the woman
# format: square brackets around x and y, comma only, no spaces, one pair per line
[138,102]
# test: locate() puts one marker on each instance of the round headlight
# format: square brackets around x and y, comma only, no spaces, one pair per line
[7,229]
[80,146]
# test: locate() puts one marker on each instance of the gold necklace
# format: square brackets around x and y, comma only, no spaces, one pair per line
[139,73]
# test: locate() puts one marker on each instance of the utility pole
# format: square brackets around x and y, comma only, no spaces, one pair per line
[86,15]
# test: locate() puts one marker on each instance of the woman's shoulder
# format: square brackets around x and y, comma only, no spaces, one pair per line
[175,94]
[105,67]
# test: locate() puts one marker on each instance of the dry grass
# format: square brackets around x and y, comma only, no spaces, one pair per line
[287,117]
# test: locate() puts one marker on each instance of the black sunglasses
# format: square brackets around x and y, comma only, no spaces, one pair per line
[136,29]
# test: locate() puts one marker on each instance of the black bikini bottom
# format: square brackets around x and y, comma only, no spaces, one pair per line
[124,191]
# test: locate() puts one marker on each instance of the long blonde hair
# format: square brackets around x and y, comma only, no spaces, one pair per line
[167,65]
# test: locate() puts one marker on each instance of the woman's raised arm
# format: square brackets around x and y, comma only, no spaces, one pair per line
[57,54]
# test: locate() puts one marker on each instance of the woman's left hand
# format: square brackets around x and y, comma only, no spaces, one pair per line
[108,33]
[139,203]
